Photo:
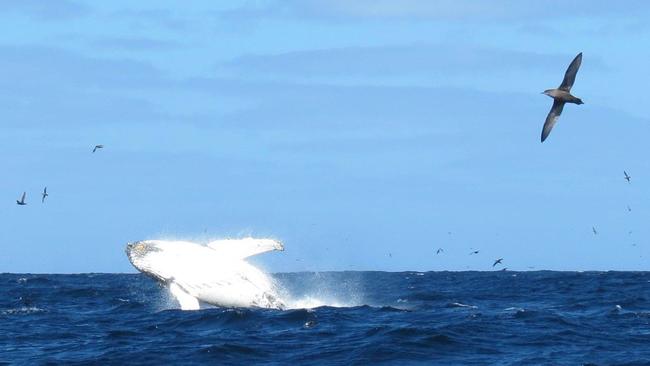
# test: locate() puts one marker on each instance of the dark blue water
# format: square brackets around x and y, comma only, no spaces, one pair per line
[474,318]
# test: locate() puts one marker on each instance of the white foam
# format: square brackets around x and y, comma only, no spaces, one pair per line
[309,302]
[22,310]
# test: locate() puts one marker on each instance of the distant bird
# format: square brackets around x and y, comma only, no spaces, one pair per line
[21,202]
[44,194]
[561,95]
[629,209]
[498,261]
[474,252]
[627,177]
[98,147]
[594,230]
[504,269]
[440,250]
[390,255]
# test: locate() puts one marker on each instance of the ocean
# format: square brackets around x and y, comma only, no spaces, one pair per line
[367,318]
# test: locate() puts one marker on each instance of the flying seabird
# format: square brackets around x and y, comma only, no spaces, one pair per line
[44,194]
[98,147]
[629,209]
[440,250]
[21,202]
[594,230]
[474,252]
[561,95]
[627,177]
[498,261]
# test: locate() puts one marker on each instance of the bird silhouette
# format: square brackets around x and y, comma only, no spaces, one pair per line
[22,202]
[97,147]
[498,261]
[561,95]
[627,177]
[44,194]
[440,250]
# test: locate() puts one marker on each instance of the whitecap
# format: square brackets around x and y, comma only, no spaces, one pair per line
[459,305]
[22,310]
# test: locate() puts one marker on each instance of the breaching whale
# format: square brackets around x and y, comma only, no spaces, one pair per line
[216,273]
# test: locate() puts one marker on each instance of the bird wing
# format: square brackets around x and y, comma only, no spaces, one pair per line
[22,199]
[570,75]
[551,118]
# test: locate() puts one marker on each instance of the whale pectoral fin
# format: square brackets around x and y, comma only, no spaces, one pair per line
[187,301]
[244,248]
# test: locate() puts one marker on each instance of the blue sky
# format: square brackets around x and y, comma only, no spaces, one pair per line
[349,130]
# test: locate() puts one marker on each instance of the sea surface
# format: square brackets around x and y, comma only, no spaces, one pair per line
[400,318]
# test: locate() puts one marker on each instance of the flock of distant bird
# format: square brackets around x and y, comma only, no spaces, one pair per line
[44,194]
[626,176]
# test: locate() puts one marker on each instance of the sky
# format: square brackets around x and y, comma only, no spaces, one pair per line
[365,135]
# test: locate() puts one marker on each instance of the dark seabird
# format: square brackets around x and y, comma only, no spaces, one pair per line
[22,200]
[627,177]
[98,147]
[498,261]
[594,230]
[629,209]
[440,250]
[562,95]
[474,252]
[44,194]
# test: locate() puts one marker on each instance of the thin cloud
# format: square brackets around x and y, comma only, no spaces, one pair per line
[133,44]
[59,10]
[440,10]
[37,66]
[394,60]
[148,18]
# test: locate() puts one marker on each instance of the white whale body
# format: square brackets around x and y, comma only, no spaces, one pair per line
[216,273]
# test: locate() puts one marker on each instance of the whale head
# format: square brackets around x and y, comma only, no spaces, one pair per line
[144,254]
